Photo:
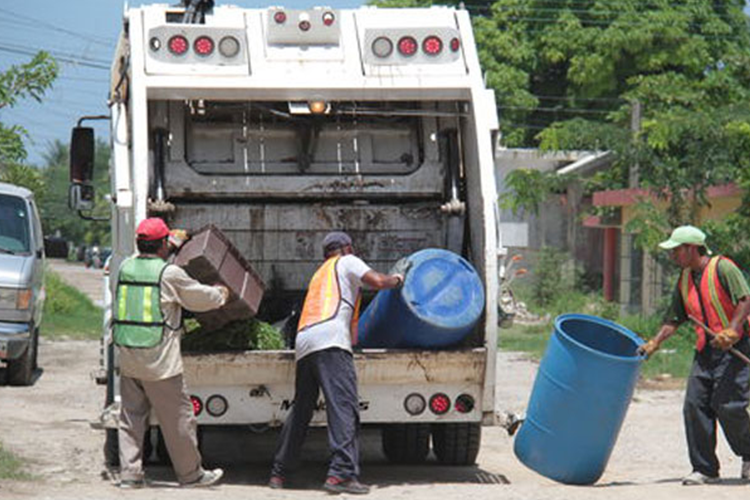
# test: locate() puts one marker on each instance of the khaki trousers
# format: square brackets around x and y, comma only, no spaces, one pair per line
[174,411]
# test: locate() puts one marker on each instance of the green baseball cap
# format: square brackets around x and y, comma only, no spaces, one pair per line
[685,235]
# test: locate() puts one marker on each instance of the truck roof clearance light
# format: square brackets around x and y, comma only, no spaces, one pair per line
[440,404]
[216,405]
[229,46]
[432,45]
[279,16]
[407,46]
[382,47]
[178,45]
[328,18]
[197,405]
[455,44]
[464,403]
[203,46]
[414,404]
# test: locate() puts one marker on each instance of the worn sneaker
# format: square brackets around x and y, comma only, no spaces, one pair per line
[276,482]
[208,478]
[132,484]
[352,486]
[745,471]
[697,478]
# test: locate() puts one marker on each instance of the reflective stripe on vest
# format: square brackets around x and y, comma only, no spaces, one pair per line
[323,299]
[716,301]
[138,319]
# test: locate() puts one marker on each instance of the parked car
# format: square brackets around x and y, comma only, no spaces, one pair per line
[21,282]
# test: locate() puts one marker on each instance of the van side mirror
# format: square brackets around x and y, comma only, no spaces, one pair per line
[82,155]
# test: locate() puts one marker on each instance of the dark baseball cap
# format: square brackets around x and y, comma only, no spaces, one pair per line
[335,240]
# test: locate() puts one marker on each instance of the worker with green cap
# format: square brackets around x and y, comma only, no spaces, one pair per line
[712,291]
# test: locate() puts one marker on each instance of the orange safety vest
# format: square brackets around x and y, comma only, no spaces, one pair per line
[324,298]
[716,301]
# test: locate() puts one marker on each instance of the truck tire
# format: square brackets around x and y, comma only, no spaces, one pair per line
[406,443]
[21,370]
[111,448]
[458,443]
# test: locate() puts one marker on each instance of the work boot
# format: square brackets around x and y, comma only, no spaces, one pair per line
[132,484]
[276,482]
[745,471]
[208,478]
[696,478]
[352,486]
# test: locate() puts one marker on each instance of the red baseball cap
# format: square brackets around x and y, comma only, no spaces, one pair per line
[152,229]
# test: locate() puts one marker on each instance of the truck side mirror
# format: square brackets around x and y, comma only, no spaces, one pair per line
[82,155]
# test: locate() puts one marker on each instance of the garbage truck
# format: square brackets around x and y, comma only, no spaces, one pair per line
[277,126]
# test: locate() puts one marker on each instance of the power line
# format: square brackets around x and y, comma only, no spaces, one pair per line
[53,27]
[61,58]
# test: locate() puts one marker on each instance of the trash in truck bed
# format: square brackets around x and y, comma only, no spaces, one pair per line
[209,257]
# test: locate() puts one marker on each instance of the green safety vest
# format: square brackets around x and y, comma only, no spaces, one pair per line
[138,319]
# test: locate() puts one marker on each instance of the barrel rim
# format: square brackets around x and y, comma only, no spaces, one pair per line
[605,322]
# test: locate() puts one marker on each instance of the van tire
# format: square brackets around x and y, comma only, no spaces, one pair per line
[457,443]
[21,370]
[406,443]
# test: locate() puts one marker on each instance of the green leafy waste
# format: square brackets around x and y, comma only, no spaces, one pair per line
[244,335]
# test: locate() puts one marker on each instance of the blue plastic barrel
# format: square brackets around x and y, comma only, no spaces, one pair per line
[581,393]
[440,302]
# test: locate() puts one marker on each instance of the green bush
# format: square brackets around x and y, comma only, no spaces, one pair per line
[68,312]
[548,282]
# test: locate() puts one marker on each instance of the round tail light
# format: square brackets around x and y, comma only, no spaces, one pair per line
[440,404]
[464,403]
[304,25]
[328,18]
[279,16]
[216,405]
[432,45]
[382,47]
[178,45]
[414,404]
[229,46]
[197,405]
[455,44]
[407,46]
[203,46]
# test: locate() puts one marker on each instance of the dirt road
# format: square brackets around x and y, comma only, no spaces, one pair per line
[48,425]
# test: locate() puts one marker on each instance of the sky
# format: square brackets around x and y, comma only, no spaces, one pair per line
[81,34]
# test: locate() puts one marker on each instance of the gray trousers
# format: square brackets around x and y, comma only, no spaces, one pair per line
[174,411]
[331,370]
[718,389]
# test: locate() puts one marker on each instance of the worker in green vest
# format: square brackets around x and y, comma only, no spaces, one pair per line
[147,329]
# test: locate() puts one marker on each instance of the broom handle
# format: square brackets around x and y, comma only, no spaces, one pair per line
[711,332]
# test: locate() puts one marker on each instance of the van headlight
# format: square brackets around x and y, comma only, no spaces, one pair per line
[14,298]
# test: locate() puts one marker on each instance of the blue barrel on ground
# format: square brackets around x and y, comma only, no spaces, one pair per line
[439,304]
[581,393]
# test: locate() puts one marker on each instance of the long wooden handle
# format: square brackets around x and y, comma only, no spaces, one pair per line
[713,334]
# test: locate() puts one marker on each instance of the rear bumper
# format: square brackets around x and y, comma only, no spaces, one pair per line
[14,339]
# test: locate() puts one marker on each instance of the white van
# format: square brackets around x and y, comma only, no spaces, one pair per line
[21,282]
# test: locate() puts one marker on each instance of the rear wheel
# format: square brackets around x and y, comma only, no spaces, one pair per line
[21,370]
[406,443]
[457,443]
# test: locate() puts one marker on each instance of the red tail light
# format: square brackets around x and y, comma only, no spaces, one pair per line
[279,16]
[455,44]
[203,46]
[464,403]
[328,18]
[197,405]
[440,404]
[407,46]
[432,45]
[178,45]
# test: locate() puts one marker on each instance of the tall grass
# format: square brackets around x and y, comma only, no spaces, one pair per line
[68,313]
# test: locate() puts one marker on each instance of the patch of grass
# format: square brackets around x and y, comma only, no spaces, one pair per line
[68,313]
[531,340]
[11,467]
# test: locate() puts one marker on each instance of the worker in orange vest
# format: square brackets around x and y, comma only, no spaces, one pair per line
[713,291]
[326,332]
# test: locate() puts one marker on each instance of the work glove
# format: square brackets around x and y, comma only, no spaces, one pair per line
[649,348]
[725,339]
[401,267]
[177,238]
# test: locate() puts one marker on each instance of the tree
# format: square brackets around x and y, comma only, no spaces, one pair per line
[30,80]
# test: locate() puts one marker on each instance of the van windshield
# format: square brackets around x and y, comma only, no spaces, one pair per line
[14,225]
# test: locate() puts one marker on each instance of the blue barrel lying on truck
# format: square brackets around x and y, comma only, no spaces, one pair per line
[439,304]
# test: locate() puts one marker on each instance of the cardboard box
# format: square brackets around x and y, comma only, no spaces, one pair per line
[209,257]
